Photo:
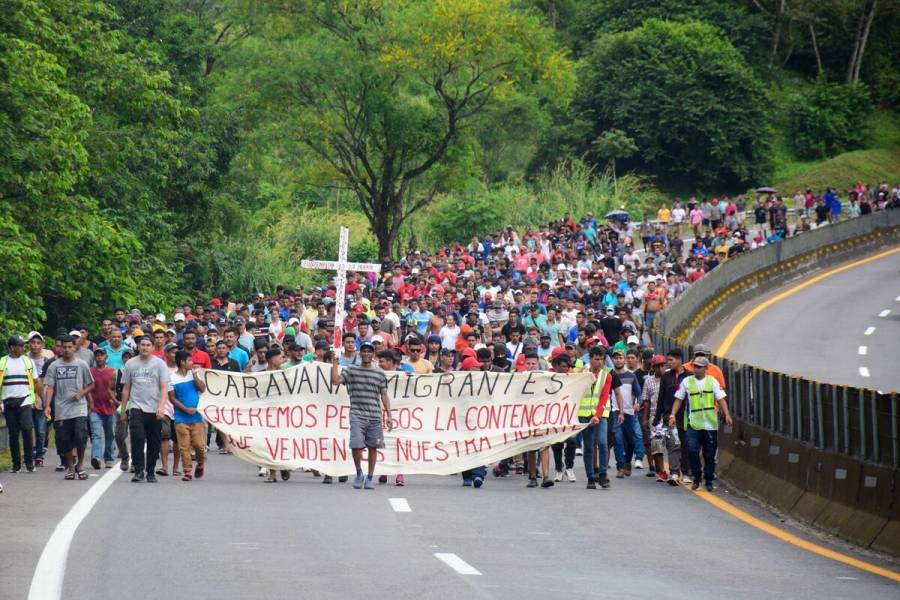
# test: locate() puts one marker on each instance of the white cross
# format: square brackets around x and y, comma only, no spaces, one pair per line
[341,266]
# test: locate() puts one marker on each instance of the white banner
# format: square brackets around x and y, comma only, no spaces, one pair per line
[442,423]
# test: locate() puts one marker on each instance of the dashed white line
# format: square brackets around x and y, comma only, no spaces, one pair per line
[885,312]
[864,371]
[897,299]
[399,504]
[46,584]
[863,350]
[869,331]
[456,563]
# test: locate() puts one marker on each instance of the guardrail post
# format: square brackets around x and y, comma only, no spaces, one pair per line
[876,449]
[771,415]
[862,424]
[845,408]
[820,417]
[895,425]
[835,431]
[812,412]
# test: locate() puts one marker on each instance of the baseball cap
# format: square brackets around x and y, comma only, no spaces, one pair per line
[433,339]
[15,340]
[377,339]
[470,363]
[99,350]
[558,353]
[702,349]
[447,351]
[170,346]
[179,317]
[701,361]
[633,339]
[160,317]
[34,334]
[73,333]
[366,346]
[657,359]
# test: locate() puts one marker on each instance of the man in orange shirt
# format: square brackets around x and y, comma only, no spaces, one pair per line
[711,370]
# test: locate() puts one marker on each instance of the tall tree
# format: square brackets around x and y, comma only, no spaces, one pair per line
[382,92]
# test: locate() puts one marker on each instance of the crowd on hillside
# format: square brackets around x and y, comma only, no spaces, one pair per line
[572,294]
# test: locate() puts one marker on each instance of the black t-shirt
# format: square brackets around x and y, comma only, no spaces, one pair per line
[668,385]
[232,365]
[612,327]
[760,213]
[509,327]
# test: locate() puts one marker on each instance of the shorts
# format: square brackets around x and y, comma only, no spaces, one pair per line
[365,433]
[71,434]
[168,430]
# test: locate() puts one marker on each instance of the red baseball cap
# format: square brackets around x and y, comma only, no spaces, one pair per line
[470,363]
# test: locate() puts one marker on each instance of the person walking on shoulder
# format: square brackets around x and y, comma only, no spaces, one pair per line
[702,396]
[366,386]
[20,388]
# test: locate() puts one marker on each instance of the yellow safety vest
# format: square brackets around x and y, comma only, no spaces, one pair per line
[701,405]
[29,367]
[588,405]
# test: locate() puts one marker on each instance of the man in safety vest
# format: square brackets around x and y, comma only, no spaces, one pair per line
[703,396]
[19,386]
[594,409]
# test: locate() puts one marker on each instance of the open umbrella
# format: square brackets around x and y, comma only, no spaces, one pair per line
[620,215]
[765,190]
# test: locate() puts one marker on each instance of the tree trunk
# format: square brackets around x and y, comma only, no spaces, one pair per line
[869,18]
[776,33]
[815,45]
[552,13]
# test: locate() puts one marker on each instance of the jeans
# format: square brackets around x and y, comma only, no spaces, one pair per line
[629,440]
[708,442]
[145,428]
[19,422]
[102,427]
[471,474]
[191,435]
[595,435]
[122,440]
[557,448]
[39,419]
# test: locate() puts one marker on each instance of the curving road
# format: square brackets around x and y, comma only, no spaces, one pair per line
[231,536]
[844,329]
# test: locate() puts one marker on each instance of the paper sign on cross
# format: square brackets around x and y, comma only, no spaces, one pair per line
[341,266]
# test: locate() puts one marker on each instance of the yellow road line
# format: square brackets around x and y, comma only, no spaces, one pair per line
[745,320]
[793,539]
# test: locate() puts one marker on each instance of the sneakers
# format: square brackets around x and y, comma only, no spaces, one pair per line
[547,483]
[661,477]
[382,479]
[559,476]
[709,486]
[30,469]
[138,476]
[467,483]
[15,470]
[532,483]
[638,463]
[359,481]
[685,479]
[579,451]
[60,468]
[199,470]
[285,475]
[478,482]
[673,480]
[591,485]
[570,475]
[262,472]
[327,479]
[343,479]
[695,486]
[151,478]
[399,481]
[628,470]
[95,462]
[370,483]
[187,476]
[109,465]
[620,474]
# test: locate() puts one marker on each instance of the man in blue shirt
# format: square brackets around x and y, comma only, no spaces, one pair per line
[185,387]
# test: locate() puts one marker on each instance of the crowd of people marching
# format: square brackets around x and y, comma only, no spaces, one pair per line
[572,295]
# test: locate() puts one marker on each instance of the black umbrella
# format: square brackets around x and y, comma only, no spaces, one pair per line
[766,190]
[621,215]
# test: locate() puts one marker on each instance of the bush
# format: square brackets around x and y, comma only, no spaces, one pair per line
[828,119]
[687,98]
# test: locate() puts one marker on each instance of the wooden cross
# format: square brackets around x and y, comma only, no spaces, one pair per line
[341,266]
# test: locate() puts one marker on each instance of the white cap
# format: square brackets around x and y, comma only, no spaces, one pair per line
[75,333]
[34,334]
[479,346]
[377,338]
[561,267]
[621,268]
[179,316]
[293,320]
[633,339]
[160,317]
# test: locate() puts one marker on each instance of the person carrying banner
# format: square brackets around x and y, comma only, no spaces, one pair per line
[366,386]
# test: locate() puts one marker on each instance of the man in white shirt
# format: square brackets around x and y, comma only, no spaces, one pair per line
[703,397]
[19,385]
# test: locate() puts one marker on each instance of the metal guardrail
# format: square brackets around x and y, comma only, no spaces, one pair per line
[855,422]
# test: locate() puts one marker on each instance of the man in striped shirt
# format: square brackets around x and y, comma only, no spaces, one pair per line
[366,386]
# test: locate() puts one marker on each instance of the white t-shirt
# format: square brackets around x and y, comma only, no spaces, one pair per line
[448,336]
[682,393]
[678,215]
[15,382]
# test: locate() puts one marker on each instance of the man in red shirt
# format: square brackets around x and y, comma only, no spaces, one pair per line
[102,406]
[200,358]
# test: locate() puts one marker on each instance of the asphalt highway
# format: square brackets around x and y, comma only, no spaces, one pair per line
[844,329]
[232,536]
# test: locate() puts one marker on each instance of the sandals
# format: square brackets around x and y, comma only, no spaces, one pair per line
[186,477]
[70,475]
[162,472]
[198,471]
[82,475]
[285,475]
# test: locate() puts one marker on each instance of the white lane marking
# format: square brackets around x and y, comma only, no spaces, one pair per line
[399,504]
[885,312]
[846,578]
[456,563]
[864,371]
[538,533]
[869,331]
[863,350]
[897,299]
[46,584]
